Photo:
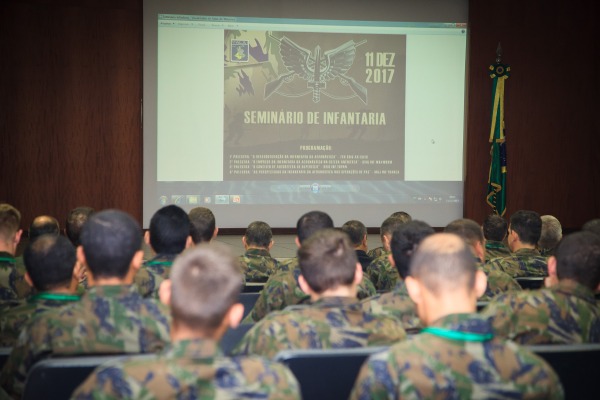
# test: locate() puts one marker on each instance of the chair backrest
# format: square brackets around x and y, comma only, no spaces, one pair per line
[248,300]
[530,282]
[253,287]
[326,373]
[232,337]
[576,366]
[481,305]
[4,353]
[57,378]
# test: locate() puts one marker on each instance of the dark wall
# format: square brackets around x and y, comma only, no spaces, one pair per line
[70,105]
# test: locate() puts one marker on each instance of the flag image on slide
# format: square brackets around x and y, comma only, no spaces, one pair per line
[496,192]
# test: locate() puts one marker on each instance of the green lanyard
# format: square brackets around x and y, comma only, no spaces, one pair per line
[7,259]
[458,335]
[55,296]
[165,263]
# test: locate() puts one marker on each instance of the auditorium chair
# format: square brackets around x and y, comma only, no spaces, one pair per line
[253,287]
[326,373]
[248,300]
[530,282]
[232,337]
[576,366]
[4,353]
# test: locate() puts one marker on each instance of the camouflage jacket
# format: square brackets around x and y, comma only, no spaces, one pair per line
[397,304]
[107,319]
[494,249]
[376,252]
[257,265]
[190,369]
[13,321]
[151,274]
[282,290]
[331,322]
[431,365]
[498,282]
[523,262]
[564,313]
[382,273]
[13,286]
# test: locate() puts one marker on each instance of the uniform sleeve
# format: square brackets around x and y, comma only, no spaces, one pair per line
[501,315]
[109,382]
[266,339]
[374,381]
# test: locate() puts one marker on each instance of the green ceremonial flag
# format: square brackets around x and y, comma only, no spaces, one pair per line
[496,192]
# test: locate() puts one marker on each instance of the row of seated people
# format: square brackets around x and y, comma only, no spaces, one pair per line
[333,317]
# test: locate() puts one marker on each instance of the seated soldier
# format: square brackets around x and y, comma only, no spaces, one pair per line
[202,294]
[566,311]
[257,263]
[169,235]
[456,355]
[497,281]
[357,232]
[52,270]
[550,236]
[282,289]
[381,272]
[12,279]
[494,231]
[110,318]
[379,251]
[203,226]
[592,225]
[404,243]
[523,234]
[43,225]
[330,274]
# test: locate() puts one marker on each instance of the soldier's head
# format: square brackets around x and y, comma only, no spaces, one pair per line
[50,261]
[592,226]
[444,278]
[577,258]
[387,230]
[43,225]
[551,232]
[405,240]
[310,223]
[524,229]
[357,232]
[10,232]
[75,220]
[328,263]
[402,215]
[203,226]
[202,291]
[495,228]
[258,235]
[169,231]
[471,233]
[111,243]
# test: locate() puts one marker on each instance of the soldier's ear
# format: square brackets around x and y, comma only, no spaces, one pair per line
[244,242]
[358,274]
[391,260]
[304,285]
[18,236]
[164,292]
[137,260]
[234,315]
[552,278]
[81,255]
[147,238]
[297,240]
[480,283]
[271,243]
[413,287]
[215,232]
[189,242]
[28,280]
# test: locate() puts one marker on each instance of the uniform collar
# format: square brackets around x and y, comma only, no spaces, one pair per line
[7,257]
[162,259]
[194,348]
[258,252]
[115,291]
[400,288]
[526,251]
[53,297]
[576,289]
[492,244]
[470,323]
[334,302]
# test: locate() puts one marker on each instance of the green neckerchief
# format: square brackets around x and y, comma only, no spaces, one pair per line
[457,335]
[158,262]
[7,259]
[55,296]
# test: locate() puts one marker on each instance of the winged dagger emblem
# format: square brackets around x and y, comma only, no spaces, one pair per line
[317,68]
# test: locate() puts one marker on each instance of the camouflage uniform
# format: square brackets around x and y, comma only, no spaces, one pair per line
[12,279]
[331,322]
[494,249]
[107,319]
[363,259]
[497,282]
[376,252]
[151,274]
[13,321]
[523,262]
[396,303]
[282,290]
[190,369]
[257,265]
[382,273]
[564,313]
[431,366]
[547,252]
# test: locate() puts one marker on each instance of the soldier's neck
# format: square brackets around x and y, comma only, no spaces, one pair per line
[7,248]
[521,245]
[340,291]
[437,307]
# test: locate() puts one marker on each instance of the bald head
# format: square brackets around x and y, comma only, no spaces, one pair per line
[43,225]
[444,263]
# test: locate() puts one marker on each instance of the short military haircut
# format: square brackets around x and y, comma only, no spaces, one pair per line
[75,220]
[390,225]
[444,263]
[551,232]
[258,234]
[312,222]
[206,282]
[467,229]
[327,260]
[405,240]
[49,261]
[43,225]
[402,215]
[592,226]
[169,230]
[355,230]
[528,225]
[202,224]
[10,221]
[495,227]
[110,239]
[578,258]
